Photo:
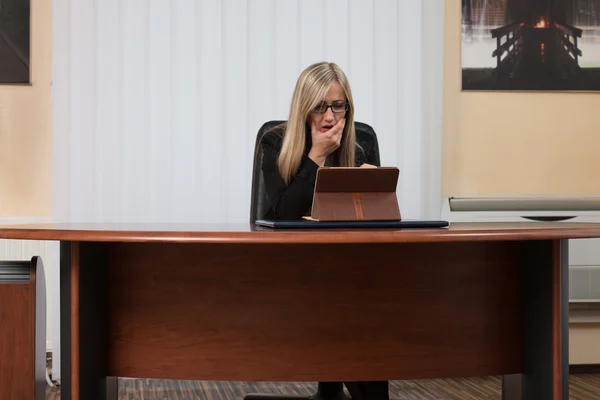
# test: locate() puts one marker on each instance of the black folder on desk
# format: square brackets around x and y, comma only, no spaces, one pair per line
[306,224]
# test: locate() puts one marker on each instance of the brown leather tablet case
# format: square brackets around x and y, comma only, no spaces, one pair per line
[356,194]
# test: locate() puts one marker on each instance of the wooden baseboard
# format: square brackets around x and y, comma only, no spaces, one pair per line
[584,313]
[576,369]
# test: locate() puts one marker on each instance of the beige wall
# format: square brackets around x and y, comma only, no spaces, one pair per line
[485,136]
[489,138]
[25,128]
[584,345]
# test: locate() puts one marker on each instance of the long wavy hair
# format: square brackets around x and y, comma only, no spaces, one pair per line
[311,88]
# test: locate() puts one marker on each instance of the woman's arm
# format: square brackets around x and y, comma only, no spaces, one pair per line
[287,201]
[370,148]
[373,155]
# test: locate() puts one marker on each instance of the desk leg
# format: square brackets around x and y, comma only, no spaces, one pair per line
[83,323]
[545,300]
[511,387]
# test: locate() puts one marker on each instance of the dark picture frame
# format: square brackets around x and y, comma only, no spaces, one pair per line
[15,37]
[530,45]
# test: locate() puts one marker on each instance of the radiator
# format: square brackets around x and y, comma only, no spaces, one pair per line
[14,250]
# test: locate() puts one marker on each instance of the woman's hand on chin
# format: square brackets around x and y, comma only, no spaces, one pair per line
[325,143]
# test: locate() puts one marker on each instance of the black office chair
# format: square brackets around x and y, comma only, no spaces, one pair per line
[259,205]
[259,202]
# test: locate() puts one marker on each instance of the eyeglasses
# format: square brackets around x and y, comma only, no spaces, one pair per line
[336,108]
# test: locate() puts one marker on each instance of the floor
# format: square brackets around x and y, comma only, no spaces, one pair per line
[582,387]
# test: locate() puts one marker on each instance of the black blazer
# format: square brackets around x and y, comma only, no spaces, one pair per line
[288,202]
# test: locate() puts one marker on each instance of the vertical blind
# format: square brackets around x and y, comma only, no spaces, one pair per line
[156,103]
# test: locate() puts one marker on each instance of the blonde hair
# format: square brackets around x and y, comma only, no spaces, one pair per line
[311,88]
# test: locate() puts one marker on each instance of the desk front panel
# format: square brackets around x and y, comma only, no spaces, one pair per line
[311,312]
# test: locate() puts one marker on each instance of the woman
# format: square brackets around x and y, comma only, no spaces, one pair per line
[319,132]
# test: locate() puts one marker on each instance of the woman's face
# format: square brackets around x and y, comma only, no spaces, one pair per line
[325,118]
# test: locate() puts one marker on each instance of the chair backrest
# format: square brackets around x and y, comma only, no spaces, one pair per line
[259,202]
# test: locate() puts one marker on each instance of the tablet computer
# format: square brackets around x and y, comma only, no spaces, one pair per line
[355,194]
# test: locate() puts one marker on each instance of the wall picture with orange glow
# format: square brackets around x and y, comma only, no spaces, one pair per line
[14,41]
[531,45]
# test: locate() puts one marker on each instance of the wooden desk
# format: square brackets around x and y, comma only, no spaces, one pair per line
[242,303]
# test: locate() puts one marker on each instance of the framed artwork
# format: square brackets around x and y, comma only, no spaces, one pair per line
[530,45]
[14,41]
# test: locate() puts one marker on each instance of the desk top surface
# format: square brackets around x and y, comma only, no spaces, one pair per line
[246,233]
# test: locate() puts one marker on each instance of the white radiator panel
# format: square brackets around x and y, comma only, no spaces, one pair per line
[584,273]
[584,284]
[584,252]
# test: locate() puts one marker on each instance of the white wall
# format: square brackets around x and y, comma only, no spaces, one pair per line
[157,102]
